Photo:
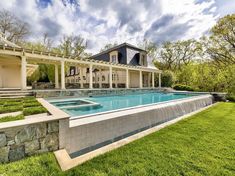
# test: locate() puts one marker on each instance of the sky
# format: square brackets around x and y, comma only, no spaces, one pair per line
[117,21]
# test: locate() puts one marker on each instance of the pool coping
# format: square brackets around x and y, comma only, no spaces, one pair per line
[66,162]
[92,118]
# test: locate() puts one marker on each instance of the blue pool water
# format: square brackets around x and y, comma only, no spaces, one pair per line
[110,103]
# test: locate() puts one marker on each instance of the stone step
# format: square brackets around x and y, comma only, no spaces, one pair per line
[9,92]
[12,97]
[15,94]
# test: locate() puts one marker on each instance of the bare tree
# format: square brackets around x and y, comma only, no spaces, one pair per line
[73,45]
[221,45]
[175,54]
[13,28]
[108,46]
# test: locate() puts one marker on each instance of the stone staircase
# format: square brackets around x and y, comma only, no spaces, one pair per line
[15,93]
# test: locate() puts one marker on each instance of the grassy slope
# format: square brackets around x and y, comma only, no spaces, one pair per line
[201,145]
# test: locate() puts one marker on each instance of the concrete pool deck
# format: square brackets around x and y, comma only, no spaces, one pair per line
[66,162]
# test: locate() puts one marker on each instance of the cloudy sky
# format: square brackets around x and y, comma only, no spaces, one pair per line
[108,21]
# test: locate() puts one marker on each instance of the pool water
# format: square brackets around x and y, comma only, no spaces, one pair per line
[101,104]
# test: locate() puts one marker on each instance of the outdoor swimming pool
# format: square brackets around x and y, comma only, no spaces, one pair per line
[100,104]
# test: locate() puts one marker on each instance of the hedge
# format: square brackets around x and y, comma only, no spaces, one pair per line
[183,87]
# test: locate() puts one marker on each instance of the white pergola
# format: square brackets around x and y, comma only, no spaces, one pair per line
[30,56]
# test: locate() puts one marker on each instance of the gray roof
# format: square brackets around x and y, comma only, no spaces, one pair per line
[118,46]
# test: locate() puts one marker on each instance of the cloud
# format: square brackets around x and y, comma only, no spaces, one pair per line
[104,21]
[166,29]
[53,28]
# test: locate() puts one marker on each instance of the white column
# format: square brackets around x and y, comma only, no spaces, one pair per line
[153,82]
[81,77]
[159,81]
[141,80]
[100,78]
[110,78]
[127,78]
[23,73]
[62,75]
[90,77]
[56,76]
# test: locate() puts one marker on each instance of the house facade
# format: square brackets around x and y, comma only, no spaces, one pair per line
[124,54]
[123,66]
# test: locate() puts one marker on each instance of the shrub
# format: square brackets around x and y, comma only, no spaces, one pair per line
[230,97]
[183,87]
[168,79]
[34,110]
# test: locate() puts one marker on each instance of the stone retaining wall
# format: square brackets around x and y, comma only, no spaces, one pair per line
[88,92]
[19,142]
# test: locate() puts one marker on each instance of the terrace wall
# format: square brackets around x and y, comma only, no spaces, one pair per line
[88,92]
[87,134]
[21,141]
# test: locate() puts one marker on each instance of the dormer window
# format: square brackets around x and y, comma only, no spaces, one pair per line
[113,56]
[142,61]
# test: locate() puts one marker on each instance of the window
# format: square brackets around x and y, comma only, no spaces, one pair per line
[142,59]
[72,71]
[103,78]
[114,59]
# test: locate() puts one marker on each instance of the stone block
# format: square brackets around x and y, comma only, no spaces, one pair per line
[28,133]
[53,127]
[16,153]
[3,140]
[31,147]
[41,130]
[50,142]
[11,142]
[4,152]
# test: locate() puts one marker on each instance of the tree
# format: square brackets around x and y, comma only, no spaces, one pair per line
[222,41]
[73,46]
[108,46]
[175,54]
[150,47]
[167,78]
[13,28]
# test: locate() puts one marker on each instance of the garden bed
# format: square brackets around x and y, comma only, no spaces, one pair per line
[28,106]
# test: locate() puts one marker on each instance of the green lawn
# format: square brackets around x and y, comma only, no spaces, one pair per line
[201,145]
[28,106]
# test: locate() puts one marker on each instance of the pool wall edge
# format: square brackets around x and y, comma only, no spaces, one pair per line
[84,135]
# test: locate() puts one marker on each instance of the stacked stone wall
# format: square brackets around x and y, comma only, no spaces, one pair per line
[19,142]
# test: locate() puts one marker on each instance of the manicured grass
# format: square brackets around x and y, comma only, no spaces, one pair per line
[34,110]
[201,145]
[28,105]
[11,118]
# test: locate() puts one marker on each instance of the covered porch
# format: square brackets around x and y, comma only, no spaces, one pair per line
[16,64]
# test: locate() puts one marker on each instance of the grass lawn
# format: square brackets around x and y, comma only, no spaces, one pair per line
[28,106]
[201,145]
